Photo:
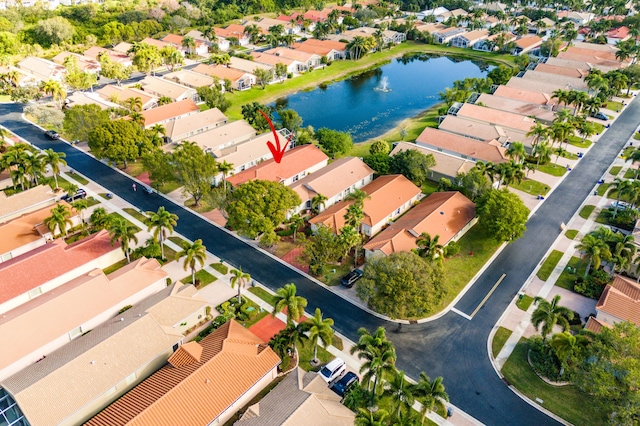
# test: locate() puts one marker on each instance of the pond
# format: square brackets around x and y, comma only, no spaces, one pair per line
[360,106]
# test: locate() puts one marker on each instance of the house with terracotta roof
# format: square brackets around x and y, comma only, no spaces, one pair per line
[160,44]
[531,96]
[52,320]
[239,80]
[28,232]
[118,95]
[122,47]
[485,132]
[95,52]
[582,65]
[447,166]
[335,182]
[447,214]
[332,49]
[201,49]
[536,86]
[168,112]
[429,28]
[306,60]
[190,79]
[22,79]
[301,398]
[619,34]
[497,117]
[247,66]
[84,63]
[526,44]
[84,376]
[160,87]
[316,15]
[265,58]
[620,301]
[89,98]
[564,71]
[389,197]
[295,165]
[585,52]
[461,146]
[217,140]
[541,113]
[580,18]
[45,268]
[185,127]
[388,36]
[42,69]
[24,202]
[541,26]
[574,83]
[469,39]
[233,31]
[489,44]
[203,383]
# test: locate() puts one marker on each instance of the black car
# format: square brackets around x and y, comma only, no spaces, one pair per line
[52,134]
[342,386]
[80,194]
[350,279]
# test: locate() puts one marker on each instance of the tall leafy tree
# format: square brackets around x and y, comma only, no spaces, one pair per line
[503,214]
[54,160]
[379,357]
[193,254]
[334,142]
[400,391]
[595,250]
[124,232]
[239,278]
[320,330]
[194,170]
[100,218]
[550,314]
[160,223]
[80,120]
[120,141]
[286,297]
[414,165]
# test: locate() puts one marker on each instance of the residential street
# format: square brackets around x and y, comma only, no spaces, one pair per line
[451,346]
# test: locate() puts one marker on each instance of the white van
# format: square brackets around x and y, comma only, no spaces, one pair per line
[333,370]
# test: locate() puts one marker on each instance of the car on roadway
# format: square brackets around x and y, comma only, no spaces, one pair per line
[343,385]
[350,279]
[52,134]
[333,370]
[80,194]
[600,116]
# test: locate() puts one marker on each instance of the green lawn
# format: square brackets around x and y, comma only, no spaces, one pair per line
[104,195]
[615,170]
[177,240]
[169,253]
[614,106]
[306,354]
[566,278]
[203,276]
[602,217]
[134,169]
[598,127]
[169,186]
[115,267]
[91,201]
[524,302]
[603,188]
[571,233]
[636,136]
[577,141]
[118,215]
[413,126]
[264,295]
[220,267]
[565,401]
[553,169]
[499,339]
[586,211]
[630,173]
[429,187]
[549,265]
[136,214]
[333,275]
[78,178]
[531,186]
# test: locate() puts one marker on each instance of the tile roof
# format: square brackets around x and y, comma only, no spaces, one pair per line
[475,35]
[296,55]
[528,42]
[534,97]
[83,371]
[190,391]
[189,125]
[233,30]
[124,93]
[269,59]
[158,43]
[386,195]
[516,106]
[25,201]
[169,111]
[243,152]
[441,213]
[85,63]
[122,47]
[485,151]
[621,299]
[299,399]
[247,66]
[446,164]
[581,65]
[219,71]
[608,53]
[574,83]
[294,162]
[163,87]
[595,326]
[535,86]
[95,52]
[332,44]
[333,179]
[42,321]
[219,141]
[495,116]
[558,70]
[32,269]
[592,57]
[483,131]
[190,78]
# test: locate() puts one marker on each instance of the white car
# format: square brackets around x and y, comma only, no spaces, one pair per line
[620,204]
[333,370]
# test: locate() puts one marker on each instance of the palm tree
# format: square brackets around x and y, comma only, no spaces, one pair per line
[400,391]
[539,133]
[431,394]
[295,222]
[350,238]
[561,95]
[378,353]
[225,168]
[621,186]
[124,232]
[371,418]
[428,247]
[286,297]
[55,160]
[354,216]
[189,43]
[560,131]
[566,345]
[193,253]
[159,223]
[100,218]
[594,249]
[549,314]
[634,157]
[59,219]
[55,90]
[318,202]
[34,167]
[240,278]
[542,152]
[320,329]
[80,206]
[358,47]
[517,152]
[133,104]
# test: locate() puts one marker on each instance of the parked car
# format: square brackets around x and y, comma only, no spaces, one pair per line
[52,134]
[80,193]
[600,116]
[621,205]
[342,386]
[333,370]
[350,279]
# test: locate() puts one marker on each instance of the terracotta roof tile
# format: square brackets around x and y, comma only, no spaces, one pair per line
[233,360]
[495,116]
[219,71]
[529,41]
[621,299]
[169,111]
[566,71]
[269,59]
[534,97]
[595,326]
[25,201]
[485,151]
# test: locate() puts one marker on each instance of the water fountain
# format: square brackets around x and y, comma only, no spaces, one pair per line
[384,85]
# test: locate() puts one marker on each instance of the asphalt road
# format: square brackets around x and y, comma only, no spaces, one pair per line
[451,346]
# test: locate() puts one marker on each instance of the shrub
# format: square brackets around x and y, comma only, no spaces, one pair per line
[593,285]
[357,397]
[543,358]
[124,309]
[451,249]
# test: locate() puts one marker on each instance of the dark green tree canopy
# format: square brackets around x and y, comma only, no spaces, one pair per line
[402,285]
[251,114]
[333,141]
[213,97]
[195,169]
[503,214]
[414,165]
[117,140]
[80,120]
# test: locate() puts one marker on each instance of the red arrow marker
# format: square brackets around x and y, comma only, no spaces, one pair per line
[276,150]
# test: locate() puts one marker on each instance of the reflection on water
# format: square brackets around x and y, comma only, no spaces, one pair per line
[353,105]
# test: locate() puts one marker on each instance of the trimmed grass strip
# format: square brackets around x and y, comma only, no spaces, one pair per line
[615,170]
[263,294]
[499,339]
[220,267]
[136,214]
[586,211]
[552,169]
[524,302]
[531,186]
[549,265]
[203,276]
[571,234]
[78,178]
